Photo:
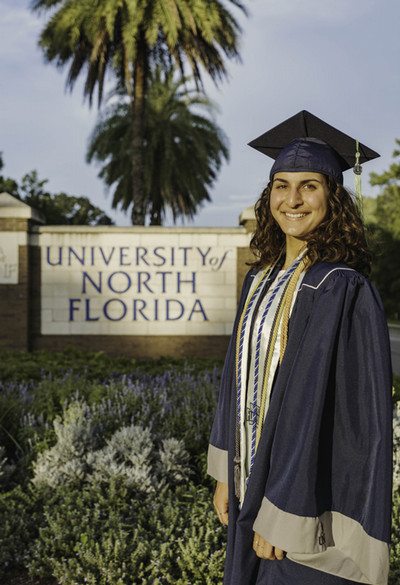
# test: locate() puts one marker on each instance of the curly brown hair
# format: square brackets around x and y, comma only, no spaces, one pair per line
[340,237]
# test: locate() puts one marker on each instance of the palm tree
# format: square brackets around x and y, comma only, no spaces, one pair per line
[130,37]
[183,154]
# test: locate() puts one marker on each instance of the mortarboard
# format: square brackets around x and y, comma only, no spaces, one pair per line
[307,143]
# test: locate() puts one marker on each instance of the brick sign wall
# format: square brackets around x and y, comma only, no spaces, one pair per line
[136,291]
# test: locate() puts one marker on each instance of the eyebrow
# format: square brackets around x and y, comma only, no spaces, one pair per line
[301,182]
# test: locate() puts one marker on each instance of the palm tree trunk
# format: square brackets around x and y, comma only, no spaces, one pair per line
[155,214]
[138,106]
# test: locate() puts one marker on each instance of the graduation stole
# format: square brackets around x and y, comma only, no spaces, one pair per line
[286,287]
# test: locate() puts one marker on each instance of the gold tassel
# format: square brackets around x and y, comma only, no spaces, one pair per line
[357,169]
[236,476]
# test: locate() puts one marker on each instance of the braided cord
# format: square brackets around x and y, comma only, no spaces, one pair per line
[241,333]
[267,366]
[288,304]
[255,432]
[239,354]
[290,280]
[284,307]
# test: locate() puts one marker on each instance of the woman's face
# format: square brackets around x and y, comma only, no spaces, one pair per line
[299,202]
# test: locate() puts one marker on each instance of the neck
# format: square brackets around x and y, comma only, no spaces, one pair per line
[293,249]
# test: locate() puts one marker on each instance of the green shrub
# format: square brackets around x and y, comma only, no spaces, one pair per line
[120,413]
[178,404]
[98,524]
[394,576]
[113,534]
[21,365]
[21,514]
[396,388]
[6,470]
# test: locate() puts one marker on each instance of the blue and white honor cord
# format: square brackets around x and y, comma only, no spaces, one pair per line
[243,323]
[279,285]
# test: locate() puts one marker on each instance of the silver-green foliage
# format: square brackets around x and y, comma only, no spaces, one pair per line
[66,461]
[130,453]
[396,447]
[394,576]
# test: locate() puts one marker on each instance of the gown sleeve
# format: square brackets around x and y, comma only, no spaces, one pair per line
[327,496]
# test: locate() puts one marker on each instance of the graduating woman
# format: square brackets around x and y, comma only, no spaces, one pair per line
[301,442]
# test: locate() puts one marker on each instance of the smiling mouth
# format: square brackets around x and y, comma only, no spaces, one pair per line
[295,215]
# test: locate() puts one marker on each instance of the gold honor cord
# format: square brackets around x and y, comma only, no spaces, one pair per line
[290,292]
[285,309]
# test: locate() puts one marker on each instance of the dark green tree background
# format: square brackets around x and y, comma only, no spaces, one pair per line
[57,208]
[383,218]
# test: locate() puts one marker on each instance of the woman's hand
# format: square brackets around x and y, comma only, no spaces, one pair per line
[264,550]
[221,502]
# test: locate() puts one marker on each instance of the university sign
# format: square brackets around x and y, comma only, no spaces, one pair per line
[176,283]
[143,292]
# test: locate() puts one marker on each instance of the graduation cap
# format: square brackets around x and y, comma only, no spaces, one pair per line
[307,143]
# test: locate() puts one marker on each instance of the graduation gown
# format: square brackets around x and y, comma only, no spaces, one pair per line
[320,488]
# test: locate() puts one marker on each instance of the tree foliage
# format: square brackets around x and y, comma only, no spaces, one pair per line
[57,208]
[184,148]
[129,38]
[96,36]
[386,236]
[7,185]
[388,201]
[385,269]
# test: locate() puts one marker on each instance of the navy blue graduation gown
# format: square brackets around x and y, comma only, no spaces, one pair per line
[321,483]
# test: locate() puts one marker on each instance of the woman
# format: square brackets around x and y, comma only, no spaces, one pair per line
[301,442]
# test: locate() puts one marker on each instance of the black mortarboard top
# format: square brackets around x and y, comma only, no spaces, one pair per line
[307,143]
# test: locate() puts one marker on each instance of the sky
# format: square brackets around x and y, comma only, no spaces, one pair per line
[338,59]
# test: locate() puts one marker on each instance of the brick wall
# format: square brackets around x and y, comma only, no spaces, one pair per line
[17,221]
[14,307]
[139,347]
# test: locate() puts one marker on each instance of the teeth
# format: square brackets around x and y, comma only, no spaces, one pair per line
[294,215]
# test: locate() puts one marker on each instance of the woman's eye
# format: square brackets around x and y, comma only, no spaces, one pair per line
[309,186]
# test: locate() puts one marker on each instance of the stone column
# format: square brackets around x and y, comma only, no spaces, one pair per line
[247,219]
[16,222]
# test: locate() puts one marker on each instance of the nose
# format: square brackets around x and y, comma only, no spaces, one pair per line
[294,197]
